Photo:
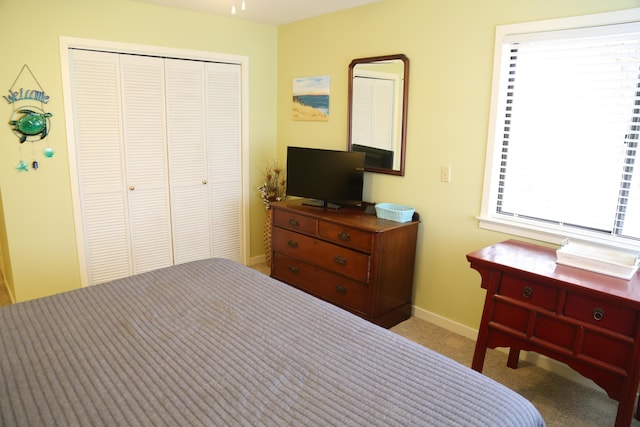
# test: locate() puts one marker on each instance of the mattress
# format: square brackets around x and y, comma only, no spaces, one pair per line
[214,343]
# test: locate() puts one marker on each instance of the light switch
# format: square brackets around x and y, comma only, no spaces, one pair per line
[445,173]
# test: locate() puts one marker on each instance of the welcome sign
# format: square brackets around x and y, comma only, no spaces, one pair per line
[29,121]
[27,94]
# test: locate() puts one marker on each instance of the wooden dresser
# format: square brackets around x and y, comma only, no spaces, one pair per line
[587,320]
[346,257]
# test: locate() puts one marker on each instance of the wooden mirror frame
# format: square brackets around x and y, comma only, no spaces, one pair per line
[403,119]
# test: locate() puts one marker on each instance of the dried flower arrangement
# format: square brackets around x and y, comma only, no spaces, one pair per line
[274,187]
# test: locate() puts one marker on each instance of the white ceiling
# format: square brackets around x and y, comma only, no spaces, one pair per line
[275,12]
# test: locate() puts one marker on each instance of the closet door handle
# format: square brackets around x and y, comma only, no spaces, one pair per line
[131,188]
[204,182]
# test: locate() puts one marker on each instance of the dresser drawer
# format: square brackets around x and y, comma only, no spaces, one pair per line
[326,285]
[601,313]
[345,236]
[293,221]
[337,259]
[529,292]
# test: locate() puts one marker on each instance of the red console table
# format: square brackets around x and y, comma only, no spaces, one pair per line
[587,320]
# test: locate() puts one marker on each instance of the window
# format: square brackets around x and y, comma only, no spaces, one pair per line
[562,158]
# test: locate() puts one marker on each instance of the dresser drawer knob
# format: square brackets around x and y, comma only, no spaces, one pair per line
[340,260]
[344,236]
[341,289]
[293,269]
[293,222]
[527,292]
[292,244]
[598,313]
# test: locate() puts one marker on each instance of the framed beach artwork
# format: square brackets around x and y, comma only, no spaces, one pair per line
[311,98]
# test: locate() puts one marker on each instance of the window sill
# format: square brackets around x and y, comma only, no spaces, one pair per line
[552,235]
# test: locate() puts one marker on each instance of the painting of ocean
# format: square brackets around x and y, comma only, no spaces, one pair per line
[311,98]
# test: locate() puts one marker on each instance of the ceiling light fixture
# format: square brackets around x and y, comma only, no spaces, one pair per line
[233,7]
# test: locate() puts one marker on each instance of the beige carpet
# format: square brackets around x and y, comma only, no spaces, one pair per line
[560,401]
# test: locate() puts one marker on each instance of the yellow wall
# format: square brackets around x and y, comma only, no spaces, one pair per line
[37,232]
[450,46]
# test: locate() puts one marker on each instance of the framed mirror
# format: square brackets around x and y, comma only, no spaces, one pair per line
[377,111]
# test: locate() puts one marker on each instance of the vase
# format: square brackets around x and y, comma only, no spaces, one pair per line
[267,238]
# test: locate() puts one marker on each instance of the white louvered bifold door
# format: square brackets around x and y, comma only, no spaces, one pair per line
[145,142]
[385,103]
[159,162]
[362,111]
[186,126]
[224,156]
[95,91]
[374,109]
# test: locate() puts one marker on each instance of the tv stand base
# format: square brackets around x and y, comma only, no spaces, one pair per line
[320,204]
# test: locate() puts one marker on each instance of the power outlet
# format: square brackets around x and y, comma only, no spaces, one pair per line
[445,173]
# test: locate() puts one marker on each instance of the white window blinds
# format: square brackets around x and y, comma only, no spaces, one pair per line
[566,131]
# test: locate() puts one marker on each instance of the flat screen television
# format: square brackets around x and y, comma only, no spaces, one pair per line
[327,177]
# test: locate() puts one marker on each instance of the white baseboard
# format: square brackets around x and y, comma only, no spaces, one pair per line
[539,360]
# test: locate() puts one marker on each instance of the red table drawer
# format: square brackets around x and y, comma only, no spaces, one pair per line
[528,291]
[601,313]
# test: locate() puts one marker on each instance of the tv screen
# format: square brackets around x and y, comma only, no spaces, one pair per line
[328,177]
[375,157]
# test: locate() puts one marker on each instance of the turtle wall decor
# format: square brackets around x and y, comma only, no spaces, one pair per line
[29,120]
[31,123]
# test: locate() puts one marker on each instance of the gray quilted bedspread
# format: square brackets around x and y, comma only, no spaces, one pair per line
[214,343]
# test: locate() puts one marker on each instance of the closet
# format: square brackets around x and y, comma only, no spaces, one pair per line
[157,159]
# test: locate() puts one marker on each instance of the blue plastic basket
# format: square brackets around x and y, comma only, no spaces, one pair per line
[393,212]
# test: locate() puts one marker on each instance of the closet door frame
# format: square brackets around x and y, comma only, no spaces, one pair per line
[67,43]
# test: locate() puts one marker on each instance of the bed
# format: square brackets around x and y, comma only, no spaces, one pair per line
[212,343]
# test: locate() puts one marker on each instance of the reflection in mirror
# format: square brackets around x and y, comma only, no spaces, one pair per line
[377,113]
